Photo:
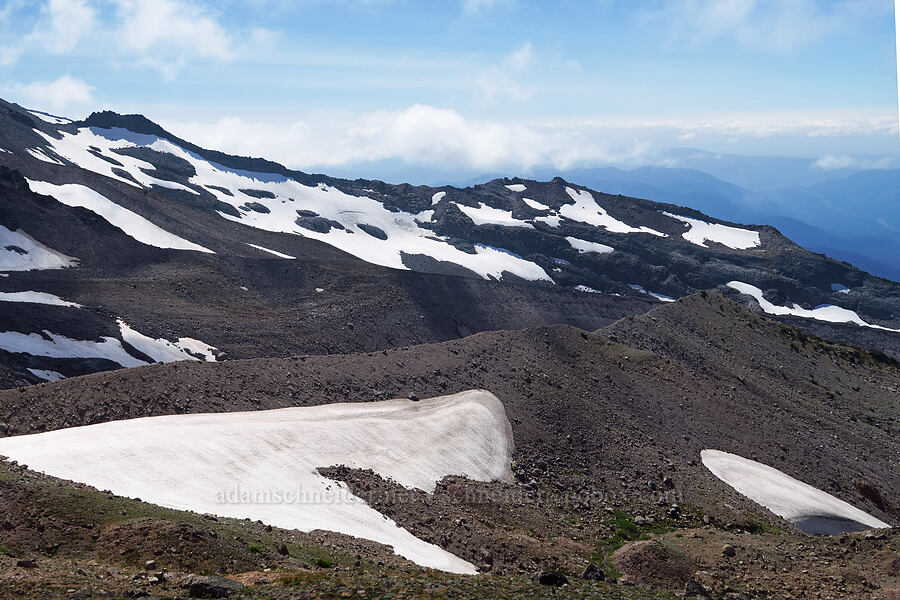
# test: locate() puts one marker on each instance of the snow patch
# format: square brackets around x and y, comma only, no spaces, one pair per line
[839,288]
[660,297]
[699,232]
[487,215]
[516,187]
[438,196]
[586,210]
[47,375]
[50,118]
[36,298]
[162,350]
[809,508]
[134,225]
[273,252]
[262,464]
[825,312]
[42,156]
[535,204]
[51,345]
[551,220]
[36,255]
[585,246]
[589,290]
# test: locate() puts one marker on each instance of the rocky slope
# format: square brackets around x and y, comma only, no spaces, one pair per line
[179,241]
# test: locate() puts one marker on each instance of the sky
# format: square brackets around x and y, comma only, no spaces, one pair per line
[476,85]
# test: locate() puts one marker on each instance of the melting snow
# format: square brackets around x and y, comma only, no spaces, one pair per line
[134,225]
[535,204]
[839,288]
[36,298]
[516,187]
[586,246]
[278,254]
[700,232]
[586,210]
[404,234]
[589,290]
[40,155]
[47,375]
[486,215]
[826,312]
[36,255]
[58,346]
[811,509]
[262,465]
[50,118]
[162,350]
[661,297]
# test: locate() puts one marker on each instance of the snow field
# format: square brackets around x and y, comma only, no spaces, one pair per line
[239,464]
[789,498]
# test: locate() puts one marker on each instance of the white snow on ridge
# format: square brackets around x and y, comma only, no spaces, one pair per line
[162,350]
[785,496]
[36,298]
[585,246]
[700,232]
[50,118]
[826,312]
[586,210]
[535,204]
[134,225]
[262,465]
[516,187]
[59,346]
[660,297]
[403,230]
[77,149]
[487,215]
[47,375]
[437,197]
[42,156]
[273,252]
[36,255]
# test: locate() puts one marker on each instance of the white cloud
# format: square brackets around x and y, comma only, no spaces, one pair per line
[59,97]
[62,24]
[779,26]
[503,81]
[437,137]
[167,34]
[474,6]
[832,162]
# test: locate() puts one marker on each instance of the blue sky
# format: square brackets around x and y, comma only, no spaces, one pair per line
[477,84]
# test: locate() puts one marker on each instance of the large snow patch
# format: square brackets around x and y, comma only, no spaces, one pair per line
[811,509]
[262,465]
[133,224]
[21,252]
[826,312]
[699,232]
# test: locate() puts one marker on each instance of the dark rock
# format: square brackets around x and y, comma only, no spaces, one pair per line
[552,578]
[693,589]
[259,194]
[284,550]
[728,550]
[317,224]
[306,213]
[593,572]
[375,232]
[211,587]
[413,397]
[256,207]
[26,564]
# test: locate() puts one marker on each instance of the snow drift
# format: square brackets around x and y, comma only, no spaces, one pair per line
[262,465]
[809,508]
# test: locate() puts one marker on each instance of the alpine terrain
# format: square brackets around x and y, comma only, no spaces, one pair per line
[223,377]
